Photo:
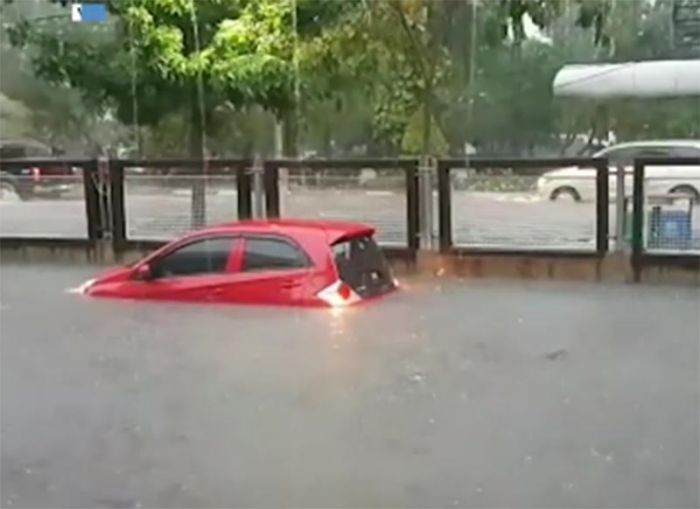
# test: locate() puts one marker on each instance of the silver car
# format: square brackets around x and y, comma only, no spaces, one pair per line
[578,184]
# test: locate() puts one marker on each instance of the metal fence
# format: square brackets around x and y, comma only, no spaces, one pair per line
[481,205]
[520,205]
[163,199]
[47,197]
[665,216]
[382,192]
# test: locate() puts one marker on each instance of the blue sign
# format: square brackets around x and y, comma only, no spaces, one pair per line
[89,12]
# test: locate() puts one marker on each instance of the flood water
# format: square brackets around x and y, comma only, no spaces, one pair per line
[448,394]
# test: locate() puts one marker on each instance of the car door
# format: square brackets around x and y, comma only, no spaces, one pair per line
[273,270]
[200,270]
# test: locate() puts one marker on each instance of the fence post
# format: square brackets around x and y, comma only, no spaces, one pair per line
[243,178]
[602,206]
[92,200]
[104,196]
[445,206]
[637,219]
[620,209]
[412,204]
[258,173]
[426,170]
[272,194]
[283,190]
[117,205]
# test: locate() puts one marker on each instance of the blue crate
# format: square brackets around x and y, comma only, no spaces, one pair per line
[670,229]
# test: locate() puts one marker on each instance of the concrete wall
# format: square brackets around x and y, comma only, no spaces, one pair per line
[614,267]
[611,268]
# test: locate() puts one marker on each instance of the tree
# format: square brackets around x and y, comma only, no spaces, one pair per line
[162,57]
[57,118]
[428,48]
[633,31]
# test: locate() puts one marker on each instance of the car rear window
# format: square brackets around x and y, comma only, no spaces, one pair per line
[362,265]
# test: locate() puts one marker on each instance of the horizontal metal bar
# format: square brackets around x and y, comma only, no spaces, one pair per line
[229,171]
[180,163]
[24,163]
[479,163]
[15,242]
[672,161]
[462,251]
[685,261]
[342,164]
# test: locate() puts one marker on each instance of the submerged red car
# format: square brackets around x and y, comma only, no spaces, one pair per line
[282,262]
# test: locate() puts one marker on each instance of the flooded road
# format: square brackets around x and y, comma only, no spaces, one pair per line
[459,394]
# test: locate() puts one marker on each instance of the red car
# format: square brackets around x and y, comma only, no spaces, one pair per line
[283,262]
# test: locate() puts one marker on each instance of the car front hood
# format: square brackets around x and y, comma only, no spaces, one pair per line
[110,276]
[567,172]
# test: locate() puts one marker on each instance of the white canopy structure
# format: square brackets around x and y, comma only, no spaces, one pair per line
[662,78]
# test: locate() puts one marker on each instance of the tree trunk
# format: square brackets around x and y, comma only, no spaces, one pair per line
[428,80]
[285,147]
[290,134]
[198,205]
[427,124]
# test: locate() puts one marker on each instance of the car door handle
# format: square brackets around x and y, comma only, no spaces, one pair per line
[215,292]
[289,285]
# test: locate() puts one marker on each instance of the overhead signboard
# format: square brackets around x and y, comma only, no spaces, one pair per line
[88,12]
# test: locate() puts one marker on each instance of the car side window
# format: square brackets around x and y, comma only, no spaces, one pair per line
[11,152]
[38,151]
[653,152]
[272,254]
[625,156]
[686,152]
[208,256]
[616,156]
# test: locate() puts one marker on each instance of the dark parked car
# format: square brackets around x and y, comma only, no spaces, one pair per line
[30,180]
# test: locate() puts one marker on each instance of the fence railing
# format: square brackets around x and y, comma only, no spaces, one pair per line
[533,223]
[482,205]
[665,212]
[48,178]
[381,191]
[157,200]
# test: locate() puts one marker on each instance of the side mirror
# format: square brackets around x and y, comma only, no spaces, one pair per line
[144,273]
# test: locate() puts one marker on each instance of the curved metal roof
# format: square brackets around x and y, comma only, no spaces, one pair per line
[661,78]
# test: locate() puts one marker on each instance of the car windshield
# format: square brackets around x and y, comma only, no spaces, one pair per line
[362,265]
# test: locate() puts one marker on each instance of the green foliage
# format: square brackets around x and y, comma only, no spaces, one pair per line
[157,54]
[412,142]
[418,54]
[14,119]
[348,73]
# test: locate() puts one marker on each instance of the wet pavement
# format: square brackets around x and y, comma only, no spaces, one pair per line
[479,219]
[484,219]
[449,394]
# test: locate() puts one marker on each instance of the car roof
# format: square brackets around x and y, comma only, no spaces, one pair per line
[22,142]
[335,231]
[653,143]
